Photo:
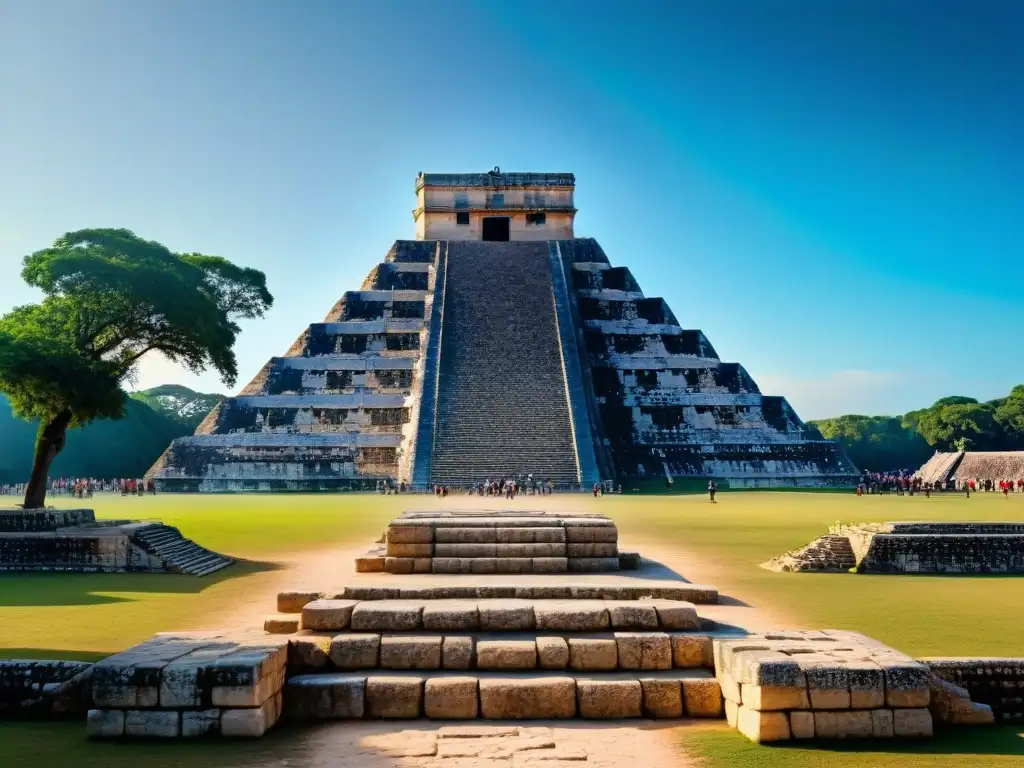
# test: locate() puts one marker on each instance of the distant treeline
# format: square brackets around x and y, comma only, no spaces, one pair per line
[879,443]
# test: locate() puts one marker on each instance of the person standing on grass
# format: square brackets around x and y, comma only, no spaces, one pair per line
[712,490]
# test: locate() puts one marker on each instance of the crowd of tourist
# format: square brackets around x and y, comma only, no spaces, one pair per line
[85,487]
[903,482]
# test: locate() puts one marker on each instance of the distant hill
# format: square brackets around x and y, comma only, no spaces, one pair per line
[179,404]
[123,448]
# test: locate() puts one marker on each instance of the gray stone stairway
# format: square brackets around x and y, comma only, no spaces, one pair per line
[502,404]
[180,555]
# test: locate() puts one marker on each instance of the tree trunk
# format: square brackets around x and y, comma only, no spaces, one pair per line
[49,443]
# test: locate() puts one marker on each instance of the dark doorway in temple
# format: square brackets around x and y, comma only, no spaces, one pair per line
[496,228]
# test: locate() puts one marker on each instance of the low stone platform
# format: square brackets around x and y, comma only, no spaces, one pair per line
[912,547]
[74,541]
[190,684]
[487,542]
[821,684]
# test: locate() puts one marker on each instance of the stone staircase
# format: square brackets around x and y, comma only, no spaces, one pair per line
[180,555]
[830,553]
[502,403]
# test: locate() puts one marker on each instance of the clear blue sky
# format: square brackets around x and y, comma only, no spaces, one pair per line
[832,191]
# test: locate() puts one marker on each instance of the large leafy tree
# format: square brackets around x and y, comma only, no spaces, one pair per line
[110,298]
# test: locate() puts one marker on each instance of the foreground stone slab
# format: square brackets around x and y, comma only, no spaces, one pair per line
[458,652]
[528,698]
[327,615]
[394,696]
[325,697]
[451,698]
[448,615]
[635,589]
[251,722]
[105,723]
[152,724]
[355,651]
[702,698]
[402,652]
[662,698]
[643,650]
[593,653]
[282,624]
[506,654]
[506,615]
[609,698]
[387,616]
[295,601]
[762,726]
[571,615]
[552,652]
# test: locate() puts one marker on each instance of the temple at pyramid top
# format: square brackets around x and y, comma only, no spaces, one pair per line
[495,206]
[497,344]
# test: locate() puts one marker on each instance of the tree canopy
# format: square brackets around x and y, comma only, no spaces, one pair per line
[879,443]
[109,298]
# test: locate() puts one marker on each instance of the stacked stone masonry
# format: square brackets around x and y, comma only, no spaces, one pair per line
[462,360]
[72,540]
[486,544]
[918,547]
[821,684]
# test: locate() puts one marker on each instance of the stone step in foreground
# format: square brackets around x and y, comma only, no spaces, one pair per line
[498,615]
[293,601]
[190,684]
[605,651]
[502,696]
[821,684]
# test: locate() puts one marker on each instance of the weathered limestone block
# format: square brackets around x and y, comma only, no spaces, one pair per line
[843,724]
[691,651]
[410,652]
[451,698]
[369,593]
[912,723]
[444,615]
[591,534]
[370,564]
[325,697]
[592,549]
[251,722]
[104,723]
[530,535]
[644,650]
[293,602]
[770,698]
[552,653]
[355,651]
[676,614]
[387,616]
[249,676]
[457,652]
[828,684]
[632,614]
[571,615]
[530,550]
[400,565]
[483,565]
[527,698]
[867,684]
[200,723]
[506,654]
[801,725]
[181,680]
[308,650]
[906,683]
[506,615]
[465,550]
[593,653]
[662,698]
[550,565]
[730,688]
[762,727]
[282,624]
[410,534]
[593,564]
[328,615]
[467,535]
[513,564]
[403,549]
[152,723]
[702,697]
[881,724]
[609,698]
[394,696]
[451,564]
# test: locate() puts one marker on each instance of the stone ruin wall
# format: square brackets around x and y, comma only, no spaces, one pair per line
[668,404]
[338,411]
[44,689]
[998,682]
